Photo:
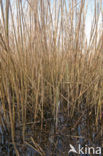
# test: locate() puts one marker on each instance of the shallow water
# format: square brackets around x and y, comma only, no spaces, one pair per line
[54,139]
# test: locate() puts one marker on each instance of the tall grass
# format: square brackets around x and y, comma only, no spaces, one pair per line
[46,62]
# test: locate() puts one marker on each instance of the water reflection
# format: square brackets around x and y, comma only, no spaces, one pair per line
[53,139]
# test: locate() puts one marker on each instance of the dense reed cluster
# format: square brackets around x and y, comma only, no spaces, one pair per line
[47,63]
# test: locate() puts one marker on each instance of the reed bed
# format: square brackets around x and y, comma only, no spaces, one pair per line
[47,62]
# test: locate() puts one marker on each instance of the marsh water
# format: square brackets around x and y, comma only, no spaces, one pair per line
[54,139]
